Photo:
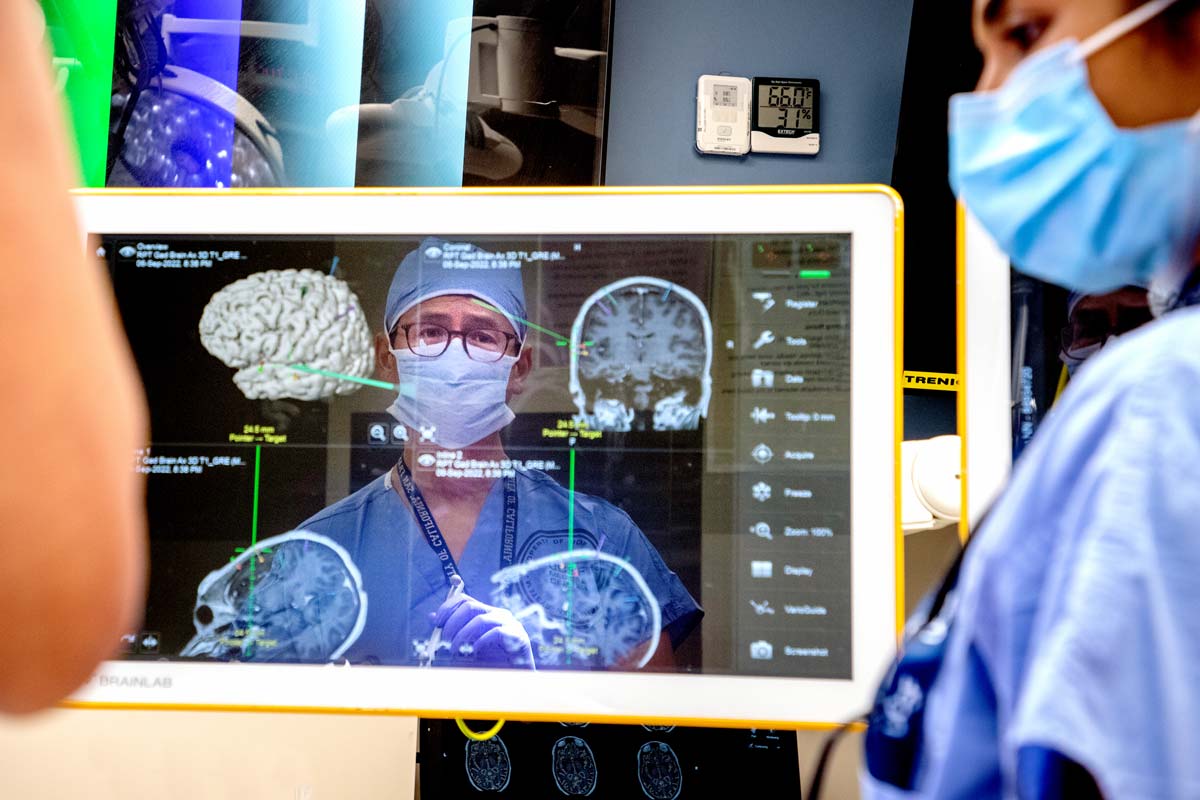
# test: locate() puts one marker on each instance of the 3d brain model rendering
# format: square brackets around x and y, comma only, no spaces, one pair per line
[282,329]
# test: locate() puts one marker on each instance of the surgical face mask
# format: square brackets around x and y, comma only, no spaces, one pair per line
[1073,357]
[460,400]
[1072,198]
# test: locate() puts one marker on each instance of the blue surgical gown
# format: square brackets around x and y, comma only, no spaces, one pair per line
[404,580]
[1077,626]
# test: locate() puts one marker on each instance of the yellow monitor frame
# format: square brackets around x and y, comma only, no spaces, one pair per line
[873,215]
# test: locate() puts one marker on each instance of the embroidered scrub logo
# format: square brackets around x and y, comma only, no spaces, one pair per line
[899,707]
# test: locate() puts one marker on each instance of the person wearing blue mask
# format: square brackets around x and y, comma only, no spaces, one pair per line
[453,341]
[1059,656]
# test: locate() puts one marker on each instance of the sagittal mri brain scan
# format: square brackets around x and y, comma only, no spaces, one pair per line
[282,329]
[582,609]
[292,598]
[642,357]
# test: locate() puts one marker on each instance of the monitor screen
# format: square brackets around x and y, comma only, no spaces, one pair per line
[589,452]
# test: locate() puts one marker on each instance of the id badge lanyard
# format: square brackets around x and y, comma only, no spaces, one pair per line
[895,725]
[433,534]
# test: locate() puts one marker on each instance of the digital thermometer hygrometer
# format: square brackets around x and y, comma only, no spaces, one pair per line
[787,116]
[723,115]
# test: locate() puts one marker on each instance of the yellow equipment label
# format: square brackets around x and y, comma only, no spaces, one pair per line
[937,381]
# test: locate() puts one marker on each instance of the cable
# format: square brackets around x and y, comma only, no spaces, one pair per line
[827,748]
[1063,377]
[479,737]
[142,57]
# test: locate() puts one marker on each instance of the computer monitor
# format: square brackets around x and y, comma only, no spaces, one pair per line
[603,455]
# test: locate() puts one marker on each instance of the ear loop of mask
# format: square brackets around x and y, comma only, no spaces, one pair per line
[1122,27]
[1166,287]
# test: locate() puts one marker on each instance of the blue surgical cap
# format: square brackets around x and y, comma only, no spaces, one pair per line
[438,268]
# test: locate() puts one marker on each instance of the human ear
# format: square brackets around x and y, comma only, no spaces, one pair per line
[385,363]
[520,371]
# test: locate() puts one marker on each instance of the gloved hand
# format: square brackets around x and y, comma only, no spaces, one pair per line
[483,635]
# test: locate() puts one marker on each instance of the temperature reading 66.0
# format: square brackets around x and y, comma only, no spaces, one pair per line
[790,97]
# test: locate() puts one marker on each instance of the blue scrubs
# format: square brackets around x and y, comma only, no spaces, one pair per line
[1077,624]
[404,580]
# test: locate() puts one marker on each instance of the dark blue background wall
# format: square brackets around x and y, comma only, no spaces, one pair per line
[856,48]
[859,50]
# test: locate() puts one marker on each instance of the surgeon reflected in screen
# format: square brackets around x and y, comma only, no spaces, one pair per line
[460,569]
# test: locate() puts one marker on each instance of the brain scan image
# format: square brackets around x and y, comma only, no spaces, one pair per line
[489,768]
[582,610]
[267,323]
[641,357]
[292,598]
[574,765]
[659,772]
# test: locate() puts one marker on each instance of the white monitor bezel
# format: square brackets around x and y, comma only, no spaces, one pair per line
[872,215]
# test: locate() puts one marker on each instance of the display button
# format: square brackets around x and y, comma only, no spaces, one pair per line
[762,650]
[377,434]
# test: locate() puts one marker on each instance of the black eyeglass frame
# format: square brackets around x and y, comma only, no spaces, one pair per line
[509,338]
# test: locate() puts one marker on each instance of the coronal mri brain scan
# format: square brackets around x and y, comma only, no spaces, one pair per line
[642,357]
[283,329]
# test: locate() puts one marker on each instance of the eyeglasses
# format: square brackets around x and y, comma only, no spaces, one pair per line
[1095,326]
[486,345]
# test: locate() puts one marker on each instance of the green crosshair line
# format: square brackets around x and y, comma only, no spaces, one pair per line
[338,376]
[570,548]
[254,536]
[559,339]
[571,501]
[257,476]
